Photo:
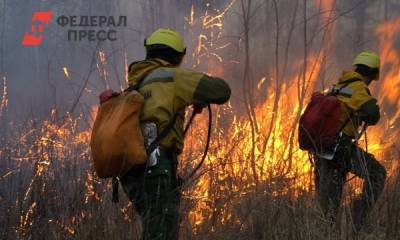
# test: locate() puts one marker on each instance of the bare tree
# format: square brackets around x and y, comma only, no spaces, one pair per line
[247,89]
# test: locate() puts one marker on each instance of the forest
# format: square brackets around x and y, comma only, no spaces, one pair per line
[255,182]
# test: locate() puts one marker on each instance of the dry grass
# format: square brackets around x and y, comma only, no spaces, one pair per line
[48,191]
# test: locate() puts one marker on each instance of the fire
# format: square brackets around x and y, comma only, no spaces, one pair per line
[233,163]
[25,218]
[66,73]
[208,29]
[91,193]
[244,156]
[4,97]
[327,12]
[101,67]
[126,68]
[383,137]
[276,156]
[391,61]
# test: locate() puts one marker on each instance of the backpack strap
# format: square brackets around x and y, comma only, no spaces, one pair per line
[346,122]
[351,80]
[136,86]
[171,122]
[335,92]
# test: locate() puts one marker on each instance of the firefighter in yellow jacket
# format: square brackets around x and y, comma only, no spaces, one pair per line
[167,90]
[359,110]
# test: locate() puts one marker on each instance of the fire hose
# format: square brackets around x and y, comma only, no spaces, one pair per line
[207,141]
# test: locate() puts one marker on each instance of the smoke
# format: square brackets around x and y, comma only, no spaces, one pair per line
[36,75]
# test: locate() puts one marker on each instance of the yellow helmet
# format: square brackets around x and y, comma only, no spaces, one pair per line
[168,37]
[369,59]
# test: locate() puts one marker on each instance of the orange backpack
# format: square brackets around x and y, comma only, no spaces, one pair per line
[117,142]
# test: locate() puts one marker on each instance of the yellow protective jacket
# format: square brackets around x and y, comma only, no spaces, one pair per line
[357,103]
[168,90]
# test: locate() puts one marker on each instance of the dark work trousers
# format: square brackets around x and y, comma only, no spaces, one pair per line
[330,177]
[156,195]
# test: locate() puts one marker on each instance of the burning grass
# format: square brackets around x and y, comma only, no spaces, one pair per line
[254,184]
[48,191]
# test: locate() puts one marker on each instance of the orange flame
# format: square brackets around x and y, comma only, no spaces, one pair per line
[383,137]
[276,156]
[4,97]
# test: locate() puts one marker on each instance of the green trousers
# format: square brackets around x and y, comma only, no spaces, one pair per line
[330,177]
[156,196]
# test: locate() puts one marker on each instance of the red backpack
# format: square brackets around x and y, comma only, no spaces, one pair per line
[319,124]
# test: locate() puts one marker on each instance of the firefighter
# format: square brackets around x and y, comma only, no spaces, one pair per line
[168,90]
[358,108]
